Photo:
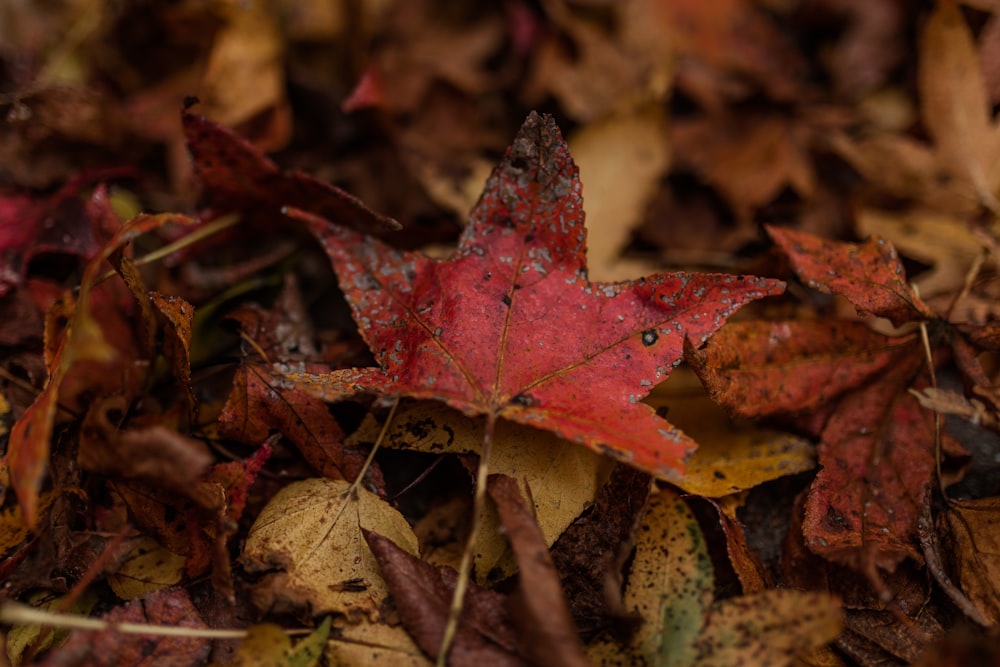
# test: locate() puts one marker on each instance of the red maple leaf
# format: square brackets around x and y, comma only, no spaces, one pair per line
[510,326]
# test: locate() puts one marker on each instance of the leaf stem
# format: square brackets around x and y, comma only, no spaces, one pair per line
[465,567]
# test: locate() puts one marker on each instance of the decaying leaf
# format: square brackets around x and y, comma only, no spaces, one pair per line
[671,587]
[308,544]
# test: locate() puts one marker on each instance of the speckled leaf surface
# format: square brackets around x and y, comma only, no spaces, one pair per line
[511,326]
[671,582]
[671,586]
[870,275]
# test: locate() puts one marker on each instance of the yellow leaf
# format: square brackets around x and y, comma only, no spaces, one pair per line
[149,567]
[310,533]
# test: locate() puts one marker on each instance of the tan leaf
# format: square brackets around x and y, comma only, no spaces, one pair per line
[309,539]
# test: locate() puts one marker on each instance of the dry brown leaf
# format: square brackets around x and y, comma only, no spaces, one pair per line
[244,75]
[614,64]
[971,536]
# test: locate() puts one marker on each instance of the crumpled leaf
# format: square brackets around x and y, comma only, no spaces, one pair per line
[84,340]
[869,274]
[511,327]
[308,540]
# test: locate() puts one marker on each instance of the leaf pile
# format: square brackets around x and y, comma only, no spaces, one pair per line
[722,323]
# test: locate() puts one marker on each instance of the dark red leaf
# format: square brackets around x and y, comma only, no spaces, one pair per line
[240,177]
[423,597]
[538,608]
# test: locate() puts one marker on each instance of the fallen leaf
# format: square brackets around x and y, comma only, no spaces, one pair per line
[755,369]
[538,608]
[955,107]
[260,403]
[731,457]
[943,241]
[423,593]
[564,478]
[84,340]
[591,552]
[870,274]
[157,455]
[621,158]
[269,645]
[307,542]
[148,567]
[671,587]
[178,316]
[598,68]
[244,74]
[364,644]
[511,327]
[240,178]
[168,607]
[969,537]
[749,159]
